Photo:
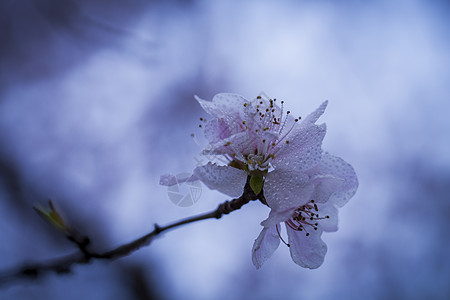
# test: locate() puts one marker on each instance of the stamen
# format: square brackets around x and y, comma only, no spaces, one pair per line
[303,216]
[263,137]
[281,238]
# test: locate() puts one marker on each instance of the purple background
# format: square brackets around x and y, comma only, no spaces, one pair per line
[96,102]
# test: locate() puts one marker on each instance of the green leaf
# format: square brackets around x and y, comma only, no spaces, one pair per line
[52,216]
[256,183]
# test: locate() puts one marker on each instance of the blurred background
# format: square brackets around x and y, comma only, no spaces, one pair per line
[96,102]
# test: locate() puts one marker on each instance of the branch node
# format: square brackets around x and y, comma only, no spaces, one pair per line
[157,229]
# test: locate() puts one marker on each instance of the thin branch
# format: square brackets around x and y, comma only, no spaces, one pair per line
[83,255]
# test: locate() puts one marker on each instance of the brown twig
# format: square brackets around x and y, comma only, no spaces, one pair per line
[84,256]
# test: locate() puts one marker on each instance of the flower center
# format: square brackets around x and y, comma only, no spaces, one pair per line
[305,217]
[265,126]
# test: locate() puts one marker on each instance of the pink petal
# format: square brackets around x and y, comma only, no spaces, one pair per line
[337,167]
[265,245]
[170,179]
[307,251]
[330,224]
[277,216]
[325,186]
[216,130]
[286,189]
[315,115]
[303,151]
[225,179]
[223,104]
[237,143]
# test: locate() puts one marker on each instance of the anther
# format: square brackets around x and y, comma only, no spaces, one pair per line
[245,104]
[287,142]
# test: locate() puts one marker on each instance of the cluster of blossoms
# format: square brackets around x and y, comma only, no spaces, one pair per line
[283,158]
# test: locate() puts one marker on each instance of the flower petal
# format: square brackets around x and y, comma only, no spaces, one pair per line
[303,151]
[239,143]
[277,216]
[170,179]
[337,167]
[325,186]
[224,104]
[225,179]
[284,189]
[307,251]
[265,245]
[328,224]
[217,130]
[315,115]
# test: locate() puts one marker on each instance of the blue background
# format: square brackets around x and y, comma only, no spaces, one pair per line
[96,102]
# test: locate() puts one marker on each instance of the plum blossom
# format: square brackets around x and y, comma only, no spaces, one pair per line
[283,157]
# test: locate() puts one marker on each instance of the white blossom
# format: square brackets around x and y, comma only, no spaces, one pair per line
[282,154]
